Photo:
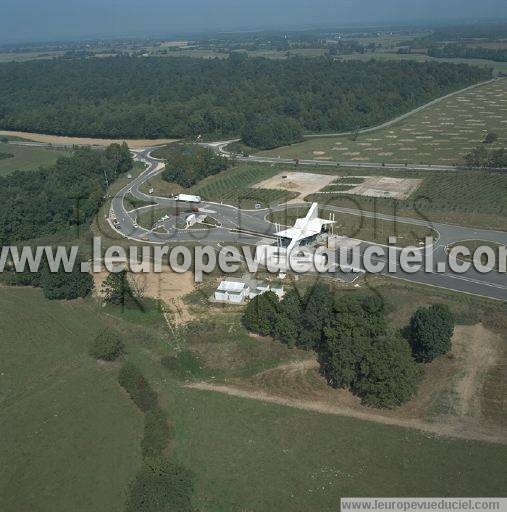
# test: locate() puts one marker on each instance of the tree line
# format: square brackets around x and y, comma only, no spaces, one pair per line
[467,52]
[185,97]
[55,199]
[356,348]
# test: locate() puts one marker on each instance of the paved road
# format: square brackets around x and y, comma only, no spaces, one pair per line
[251,226]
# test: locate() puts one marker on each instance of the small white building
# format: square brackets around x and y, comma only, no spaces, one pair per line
[233,291]
[237,291]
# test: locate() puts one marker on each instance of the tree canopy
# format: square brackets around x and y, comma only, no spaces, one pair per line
[177,97]
[57,198]
[430,332]
[186,165]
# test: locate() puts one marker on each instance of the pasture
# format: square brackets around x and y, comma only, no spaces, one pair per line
[441,134]
[70,437]
[27,158]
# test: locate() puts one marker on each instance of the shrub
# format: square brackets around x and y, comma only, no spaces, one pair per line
[157,433]
[430,332]
[107,346]
[387,375]
[65,285]
[261,313]
[140,391]
[161,486]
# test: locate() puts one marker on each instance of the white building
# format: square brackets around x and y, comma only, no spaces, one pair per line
[237,291]
[233,291]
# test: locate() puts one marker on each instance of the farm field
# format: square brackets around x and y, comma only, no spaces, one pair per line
[81,141]
[441,134]
[70,437]
[467,198]
[234,186]
[27,158]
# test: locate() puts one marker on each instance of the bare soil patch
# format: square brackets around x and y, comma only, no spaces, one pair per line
[167,286]
[304,183]
[85,141]
[380,186]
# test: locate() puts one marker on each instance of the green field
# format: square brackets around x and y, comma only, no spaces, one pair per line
[441,134]
[27,158]
[70,437]
[259,457]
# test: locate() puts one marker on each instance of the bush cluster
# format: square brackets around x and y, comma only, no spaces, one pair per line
[160,484]
[356,348]
[107,346]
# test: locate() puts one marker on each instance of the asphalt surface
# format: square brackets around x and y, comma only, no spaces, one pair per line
[251,226]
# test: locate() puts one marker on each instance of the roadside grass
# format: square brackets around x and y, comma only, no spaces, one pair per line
[360,227]
[473,245]
[27,158]
[70,437]
[441,134]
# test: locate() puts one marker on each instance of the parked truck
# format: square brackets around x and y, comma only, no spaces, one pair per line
[188,198]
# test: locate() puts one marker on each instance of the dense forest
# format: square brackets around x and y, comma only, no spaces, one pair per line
[467,52]
[53,199]
[176,97]
[186,165]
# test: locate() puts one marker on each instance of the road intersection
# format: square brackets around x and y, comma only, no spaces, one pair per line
[250,227]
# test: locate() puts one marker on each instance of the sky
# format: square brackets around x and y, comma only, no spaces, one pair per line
[53,20]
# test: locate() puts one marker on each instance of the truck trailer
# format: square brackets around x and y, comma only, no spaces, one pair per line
[188,198]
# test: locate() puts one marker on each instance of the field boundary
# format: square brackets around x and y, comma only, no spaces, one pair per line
[324,408]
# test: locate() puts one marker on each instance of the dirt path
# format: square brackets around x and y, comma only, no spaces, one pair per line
[324,408]
[298,384]
[83,141]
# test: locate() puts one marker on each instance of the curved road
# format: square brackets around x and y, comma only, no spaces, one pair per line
[251,226]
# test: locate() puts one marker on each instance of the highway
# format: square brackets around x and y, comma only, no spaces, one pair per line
[251,226]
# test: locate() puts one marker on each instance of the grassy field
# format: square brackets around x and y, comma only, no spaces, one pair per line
[361,228]
[70,437]
[253,456]
[441,134]
[27,158]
